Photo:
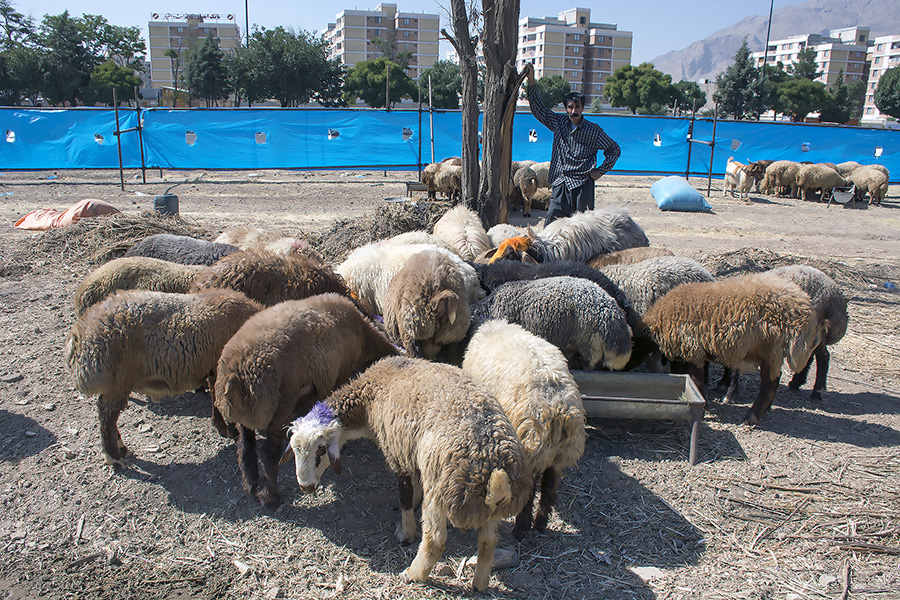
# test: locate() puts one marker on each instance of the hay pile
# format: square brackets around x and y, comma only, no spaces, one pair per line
[336,242]
[98,240]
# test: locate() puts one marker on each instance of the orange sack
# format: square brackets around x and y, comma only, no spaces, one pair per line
[42,219]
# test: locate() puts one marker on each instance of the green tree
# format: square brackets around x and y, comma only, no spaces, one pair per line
[805,67]
[367,80]
[843,101]
[553,89]
[391,50]
[15,28]
[446,81]
[737,86]
[237,72]
[20,75]
[685,94]
[596,105]
[204,71]
[107,77]
[887,94]
[292,67]
[639,87]
[104,41]
[775,76]
[65,65]
[799,97]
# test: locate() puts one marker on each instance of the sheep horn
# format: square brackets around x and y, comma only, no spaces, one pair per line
[288,453]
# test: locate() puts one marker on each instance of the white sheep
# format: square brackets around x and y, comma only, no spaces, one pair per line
[153,343]
[462,231]
[743,323]
[448,181]
[818,177]
[845,168]
[542,173]
[368,271]
[503,231]
[442,434]
[574,314]
[781,174]
[869,180]
[133,273]
[530,378]
[281,362]
[253,238]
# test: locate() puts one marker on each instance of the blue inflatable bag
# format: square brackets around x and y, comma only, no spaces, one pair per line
[675,193]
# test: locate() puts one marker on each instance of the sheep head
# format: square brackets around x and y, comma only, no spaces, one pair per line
[312,437]
[511,248]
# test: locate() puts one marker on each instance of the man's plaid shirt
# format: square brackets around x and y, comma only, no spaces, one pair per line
[574,149]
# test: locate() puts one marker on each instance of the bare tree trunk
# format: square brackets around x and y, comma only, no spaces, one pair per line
[501,85]
[464,44]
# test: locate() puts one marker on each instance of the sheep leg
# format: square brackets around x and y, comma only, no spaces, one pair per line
[799,378]
[434,540]
[406,528]
[769,376]
[269,453]
[523,519]
[823,358]
[549,489]
[731,394]
[246,455]
[225,429]
[114,450]
[487,543]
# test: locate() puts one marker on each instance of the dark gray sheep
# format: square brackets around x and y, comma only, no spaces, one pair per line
[181,249]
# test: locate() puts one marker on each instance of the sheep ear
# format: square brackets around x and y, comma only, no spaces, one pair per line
[334,458]
[447,305]
[528,259]
[286,457]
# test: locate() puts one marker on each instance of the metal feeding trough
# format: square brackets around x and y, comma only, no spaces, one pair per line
[642,396]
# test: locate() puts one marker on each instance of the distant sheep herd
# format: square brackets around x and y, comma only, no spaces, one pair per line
[809,181]
[451,349]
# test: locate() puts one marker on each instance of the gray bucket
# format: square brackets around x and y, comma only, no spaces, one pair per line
[166,204]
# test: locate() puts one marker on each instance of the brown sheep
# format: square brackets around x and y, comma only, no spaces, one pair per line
[278,365]
[427,304]
[269,277]
[153,343]
[741,323]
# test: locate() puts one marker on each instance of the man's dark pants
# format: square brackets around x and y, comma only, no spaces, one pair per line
[563,202]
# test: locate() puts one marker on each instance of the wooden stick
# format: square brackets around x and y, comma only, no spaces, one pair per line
[845,592]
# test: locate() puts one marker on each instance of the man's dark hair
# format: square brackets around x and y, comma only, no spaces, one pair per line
[574,96]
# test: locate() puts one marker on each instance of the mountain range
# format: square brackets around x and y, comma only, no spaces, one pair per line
[708,57]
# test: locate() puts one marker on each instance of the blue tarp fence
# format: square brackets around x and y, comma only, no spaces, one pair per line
[265,138]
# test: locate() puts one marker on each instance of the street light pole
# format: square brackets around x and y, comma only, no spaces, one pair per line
[247,21]
[762,81]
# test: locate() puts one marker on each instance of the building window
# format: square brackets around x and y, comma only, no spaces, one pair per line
[406,34]
[378,19]
[576,62]
[600,38]
[576,37]
[582,20]
[405,20]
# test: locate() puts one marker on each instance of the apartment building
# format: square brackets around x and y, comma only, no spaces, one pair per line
[583,52]
[177,32]
[841,50]
[884,54]
[350,37]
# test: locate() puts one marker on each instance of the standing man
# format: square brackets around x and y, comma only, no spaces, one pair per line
[576,141]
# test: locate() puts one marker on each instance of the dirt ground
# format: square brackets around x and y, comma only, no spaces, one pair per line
[805,505]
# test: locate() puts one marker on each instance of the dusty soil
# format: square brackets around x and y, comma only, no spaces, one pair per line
[806,505]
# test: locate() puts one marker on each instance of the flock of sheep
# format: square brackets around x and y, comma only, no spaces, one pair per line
[806,180]
[526,177]
[451,349]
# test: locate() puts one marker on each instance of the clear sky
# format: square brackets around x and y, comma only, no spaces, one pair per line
[658,25]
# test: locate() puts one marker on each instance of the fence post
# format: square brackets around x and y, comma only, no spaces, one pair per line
[118,135]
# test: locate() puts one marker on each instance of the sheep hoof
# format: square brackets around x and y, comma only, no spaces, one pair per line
[118,464]
[815,396]
[268,499]
[404,537]
[751,419]
[409,577]
[526,214]
[793,386]
[540,522]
